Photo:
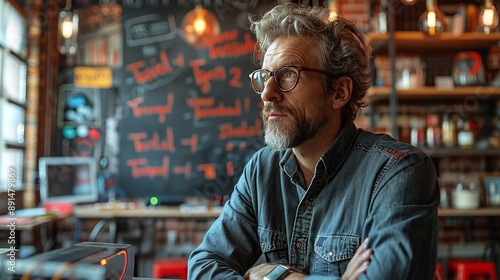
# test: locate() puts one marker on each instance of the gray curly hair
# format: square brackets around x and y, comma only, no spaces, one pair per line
[342,48]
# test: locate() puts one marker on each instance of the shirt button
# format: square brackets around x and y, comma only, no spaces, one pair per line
[330,254]
[298,245]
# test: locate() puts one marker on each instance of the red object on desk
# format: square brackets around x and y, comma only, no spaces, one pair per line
[59,207]
[464,269]
[170,268]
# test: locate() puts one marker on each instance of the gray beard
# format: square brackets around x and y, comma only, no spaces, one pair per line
[275,139]
[280,138]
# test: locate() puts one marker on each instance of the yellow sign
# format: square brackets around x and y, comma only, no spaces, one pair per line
[93,77]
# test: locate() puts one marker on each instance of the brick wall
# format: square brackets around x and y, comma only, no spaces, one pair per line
[357,11]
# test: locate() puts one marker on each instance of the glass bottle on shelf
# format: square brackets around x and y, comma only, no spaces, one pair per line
[448,131]
[433,131]
[417,132]
[466,134]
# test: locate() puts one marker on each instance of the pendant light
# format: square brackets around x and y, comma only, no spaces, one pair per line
[432,22]
[198,25]
[409,2]
[67,30]
[334,10]
[488,17]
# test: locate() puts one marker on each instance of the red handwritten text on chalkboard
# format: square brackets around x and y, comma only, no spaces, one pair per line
[191,142]
[186,170]
[220,111]
[152,72]
[233,49]
[227,130]
[208,170]
[236,77]
[203,78]
[141,169]
[154,144]
[160,110]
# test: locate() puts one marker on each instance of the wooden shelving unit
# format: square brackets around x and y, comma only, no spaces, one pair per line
[414,41]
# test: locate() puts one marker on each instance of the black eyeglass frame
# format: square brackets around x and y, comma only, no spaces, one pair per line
[272,73]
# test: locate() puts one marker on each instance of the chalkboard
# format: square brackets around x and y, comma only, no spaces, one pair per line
[190,117]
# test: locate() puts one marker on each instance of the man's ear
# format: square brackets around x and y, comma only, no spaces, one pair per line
[342,92]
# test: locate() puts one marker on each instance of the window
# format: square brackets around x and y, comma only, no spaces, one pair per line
[13,77]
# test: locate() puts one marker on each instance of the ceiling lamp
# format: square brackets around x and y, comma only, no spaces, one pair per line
[488,17]
[432,22]
[199,24]
[334,10]
[68,30]
[409,2]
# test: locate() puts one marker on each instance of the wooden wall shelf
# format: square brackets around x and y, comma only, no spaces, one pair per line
[415,40]
[480,212]
[459,152]
[433,93]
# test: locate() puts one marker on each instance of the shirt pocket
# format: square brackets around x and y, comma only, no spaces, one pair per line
[333,253]
[273,244]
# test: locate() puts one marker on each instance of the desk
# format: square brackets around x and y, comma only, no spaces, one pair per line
[102,212]
[15,225]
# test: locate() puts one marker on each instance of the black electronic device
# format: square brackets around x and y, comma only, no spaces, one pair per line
[278,273]
[82,261]
[164,200]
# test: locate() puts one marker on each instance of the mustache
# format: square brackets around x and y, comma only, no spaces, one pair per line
[274,107]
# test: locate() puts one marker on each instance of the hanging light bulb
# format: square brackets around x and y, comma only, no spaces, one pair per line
[334,10]
[68,30]
[67,27]
[488,17]
[432,22]
[409,2]
[199,24]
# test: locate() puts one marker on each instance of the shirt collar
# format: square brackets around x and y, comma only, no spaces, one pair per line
[332,159]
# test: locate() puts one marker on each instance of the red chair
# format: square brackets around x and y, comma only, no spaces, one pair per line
[439,272]
[170,268]
[464,269]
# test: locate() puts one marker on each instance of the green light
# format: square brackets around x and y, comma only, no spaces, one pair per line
[154,200]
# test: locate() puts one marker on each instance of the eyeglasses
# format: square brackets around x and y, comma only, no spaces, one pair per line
[286,77]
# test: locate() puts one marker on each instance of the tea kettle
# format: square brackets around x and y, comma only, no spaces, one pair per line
[468,69]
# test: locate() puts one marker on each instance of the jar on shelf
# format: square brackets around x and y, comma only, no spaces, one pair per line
[493,195]
[465,195]
[410,73]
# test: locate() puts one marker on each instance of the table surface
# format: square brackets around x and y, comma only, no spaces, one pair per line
[28,223]
[137,211]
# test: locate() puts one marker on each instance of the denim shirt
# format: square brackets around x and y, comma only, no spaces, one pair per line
[365,185]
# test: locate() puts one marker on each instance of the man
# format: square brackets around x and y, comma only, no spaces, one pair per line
[321,186]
